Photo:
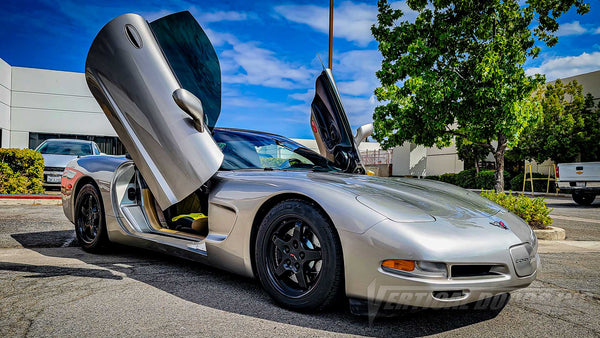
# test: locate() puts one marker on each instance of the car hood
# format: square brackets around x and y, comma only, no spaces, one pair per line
[415,205]
[54,160]
[428,206]
[417,197]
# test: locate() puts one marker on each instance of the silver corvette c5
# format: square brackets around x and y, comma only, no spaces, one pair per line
[310,227]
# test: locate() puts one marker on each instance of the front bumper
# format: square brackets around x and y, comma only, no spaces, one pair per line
[388,288]
[52,178]
[367,280]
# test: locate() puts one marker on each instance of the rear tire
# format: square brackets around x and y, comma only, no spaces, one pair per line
[90,224]
[583,199]
[299,257]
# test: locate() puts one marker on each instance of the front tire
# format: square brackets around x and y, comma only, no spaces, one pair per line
[90,225]
[584,199]
[299,257]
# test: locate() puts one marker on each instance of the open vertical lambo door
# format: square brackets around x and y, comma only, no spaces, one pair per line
[159,84]
[331,128]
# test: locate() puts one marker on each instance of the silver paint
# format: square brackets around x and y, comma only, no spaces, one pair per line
[134,87]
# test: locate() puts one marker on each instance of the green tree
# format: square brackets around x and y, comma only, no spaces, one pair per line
[471,153]
[457,71]
[570,126]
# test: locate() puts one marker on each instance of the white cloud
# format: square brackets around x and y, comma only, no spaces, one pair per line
[355,87]
[247,63]
[352,21]
[218,38]
[355,72]
[572,28]
[359,109]
[151,16]
[567,66]
[201,16]
[221,16]
[597,31]
[306,96]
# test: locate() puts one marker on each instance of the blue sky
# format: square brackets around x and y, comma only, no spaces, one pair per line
[268,50]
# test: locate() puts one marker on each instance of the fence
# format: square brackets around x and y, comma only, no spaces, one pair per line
[372,157]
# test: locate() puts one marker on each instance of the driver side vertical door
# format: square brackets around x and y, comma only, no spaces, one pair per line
[135,84]
[331,128]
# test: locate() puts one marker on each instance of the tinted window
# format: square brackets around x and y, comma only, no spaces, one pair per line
[258,151]
[66,148]
[192,58]
[106,144]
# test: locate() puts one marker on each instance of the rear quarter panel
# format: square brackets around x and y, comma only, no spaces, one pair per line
[97,170]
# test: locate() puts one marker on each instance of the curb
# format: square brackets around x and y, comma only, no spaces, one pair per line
[550,234]
[528,193]
[31,197]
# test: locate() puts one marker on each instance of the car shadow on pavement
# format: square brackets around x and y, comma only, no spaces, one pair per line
[211,287]
[45,271]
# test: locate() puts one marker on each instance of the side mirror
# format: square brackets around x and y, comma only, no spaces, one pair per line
[192,105]
[362,133]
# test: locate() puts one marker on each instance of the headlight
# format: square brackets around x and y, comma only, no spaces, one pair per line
[415,268]
[533,239]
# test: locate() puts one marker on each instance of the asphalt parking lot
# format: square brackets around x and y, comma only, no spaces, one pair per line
[50,287]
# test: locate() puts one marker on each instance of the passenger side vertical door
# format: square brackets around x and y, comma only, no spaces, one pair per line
[331,128]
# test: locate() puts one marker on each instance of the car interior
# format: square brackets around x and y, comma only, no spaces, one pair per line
[188,217]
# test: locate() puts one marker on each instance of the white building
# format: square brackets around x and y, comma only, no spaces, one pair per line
[36,104]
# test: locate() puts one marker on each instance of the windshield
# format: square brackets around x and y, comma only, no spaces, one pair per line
[262,151]
[66,148]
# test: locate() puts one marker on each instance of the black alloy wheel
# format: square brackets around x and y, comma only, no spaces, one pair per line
[90,227]
[299,257]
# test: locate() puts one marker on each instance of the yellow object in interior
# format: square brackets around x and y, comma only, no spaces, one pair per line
[194,216]
[370,173]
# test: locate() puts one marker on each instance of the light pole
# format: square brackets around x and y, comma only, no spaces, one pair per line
[330,34]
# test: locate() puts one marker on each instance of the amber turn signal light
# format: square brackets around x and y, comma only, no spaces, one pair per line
[399,264]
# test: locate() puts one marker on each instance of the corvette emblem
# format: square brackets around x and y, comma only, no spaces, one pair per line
[499,224]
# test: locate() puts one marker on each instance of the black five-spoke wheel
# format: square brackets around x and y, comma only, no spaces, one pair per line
[294,256]
[298,256]
[89,219]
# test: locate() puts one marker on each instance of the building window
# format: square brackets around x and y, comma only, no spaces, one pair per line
[107,144]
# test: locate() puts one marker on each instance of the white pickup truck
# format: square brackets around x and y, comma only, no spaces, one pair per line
[581,180]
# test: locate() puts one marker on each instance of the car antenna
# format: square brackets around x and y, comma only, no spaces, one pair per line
[322,64]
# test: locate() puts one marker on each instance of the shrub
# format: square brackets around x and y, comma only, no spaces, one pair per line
[466,179]
[532,210]
[485,179]
[432,177]
[516,183]
[448,178]
[21,171]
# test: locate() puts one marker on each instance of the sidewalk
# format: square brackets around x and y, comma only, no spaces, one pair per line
[52,198]
[568,246]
